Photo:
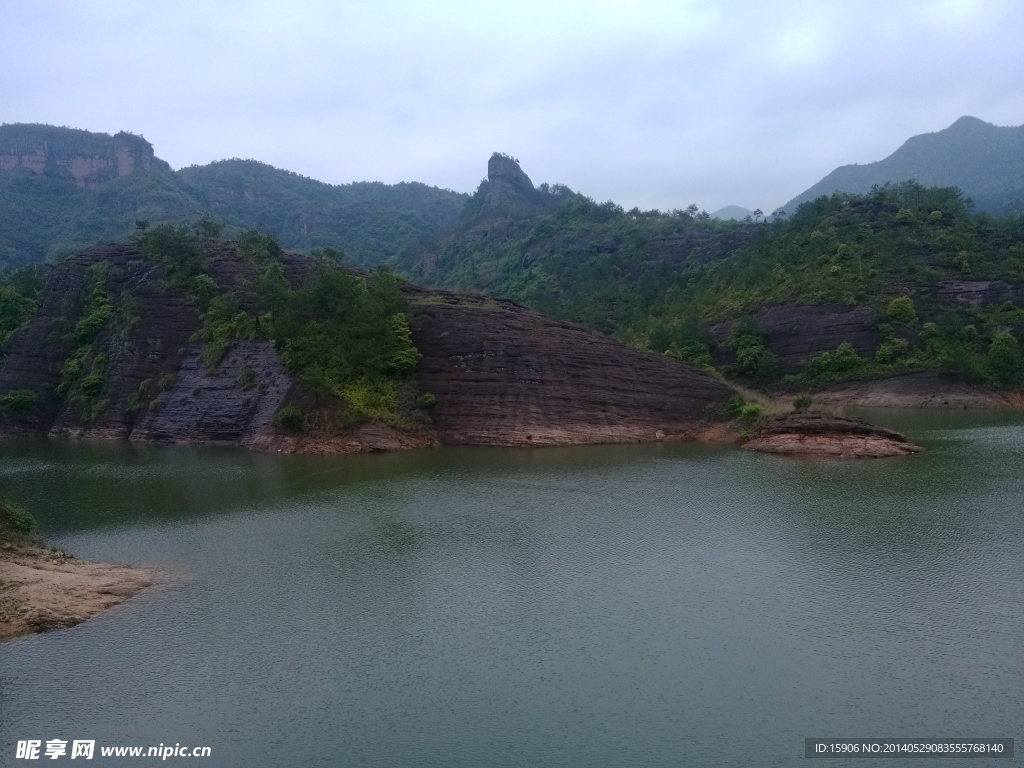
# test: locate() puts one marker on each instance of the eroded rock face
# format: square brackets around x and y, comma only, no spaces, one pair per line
[505,375]
[144,341]
[234,403]
[797,333]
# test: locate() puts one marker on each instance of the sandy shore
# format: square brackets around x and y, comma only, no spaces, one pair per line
[42,590]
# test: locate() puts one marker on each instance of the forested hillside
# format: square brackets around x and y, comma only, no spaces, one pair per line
[900,280]
[63,189]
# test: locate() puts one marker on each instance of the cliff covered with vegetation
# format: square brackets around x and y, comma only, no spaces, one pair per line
[902,280]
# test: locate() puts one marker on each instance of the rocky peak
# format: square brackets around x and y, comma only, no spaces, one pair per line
[507,191]
[507,181]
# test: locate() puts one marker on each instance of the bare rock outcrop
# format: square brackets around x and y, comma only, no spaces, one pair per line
[820,434]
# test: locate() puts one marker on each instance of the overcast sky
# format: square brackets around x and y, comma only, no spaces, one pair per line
[656,104]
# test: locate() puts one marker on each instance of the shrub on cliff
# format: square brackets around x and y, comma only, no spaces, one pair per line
[18,400]
[749,414]
[290,418]
[832,366]
[176,248]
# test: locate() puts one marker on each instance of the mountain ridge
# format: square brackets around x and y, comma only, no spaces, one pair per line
[982,160]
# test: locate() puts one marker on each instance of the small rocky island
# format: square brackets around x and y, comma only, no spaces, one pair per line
[814,433]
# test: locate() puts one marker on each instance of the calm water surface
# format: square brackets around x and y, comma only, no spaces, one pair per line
[666,605]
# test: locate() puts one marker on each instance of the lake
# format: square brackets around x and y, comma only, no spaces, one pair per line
[643,605]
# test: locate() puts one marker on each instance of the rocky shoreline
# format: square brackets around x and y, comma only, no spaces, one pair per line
[821,434]
[918,390]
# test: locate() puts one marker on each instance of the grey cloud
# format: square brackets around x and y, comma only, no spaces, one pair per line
[649,104]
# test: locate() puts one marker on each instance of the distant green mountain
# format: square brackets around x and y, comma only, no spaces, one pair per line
[733,213]
[64,189]
[984,161]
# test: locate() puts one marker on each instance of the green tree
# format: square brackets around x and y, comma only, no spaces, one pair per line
[1004,359]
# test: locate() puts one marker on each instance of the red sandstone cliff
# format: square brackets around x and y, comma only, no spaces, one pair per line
[502,374]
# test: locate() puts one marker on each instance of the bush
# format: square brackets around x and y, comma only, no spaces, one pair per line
[291,418]
[18,400]
[402,357]
[901,310]
[1004,359]
[692,352]
[97,315]
[176,248]
[92,385]
[209,225]
[801,403]
[17,518]
[892,350]
[753,359]
[834,365]
[426,400]
[757,363]
[749,414]
[246,377]
[734,406]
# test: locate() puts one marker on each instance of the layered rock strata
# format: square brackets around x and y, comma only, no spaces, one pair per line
[505,375]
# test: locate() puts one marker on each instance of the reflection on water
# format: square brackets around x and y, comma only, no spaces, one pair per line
[602,606]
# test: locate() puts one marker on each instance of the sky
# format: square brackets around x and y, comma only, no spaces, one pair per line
[650,104]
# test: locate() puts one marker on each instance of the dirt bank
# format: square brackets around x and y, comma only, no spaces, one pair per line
[42,590]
